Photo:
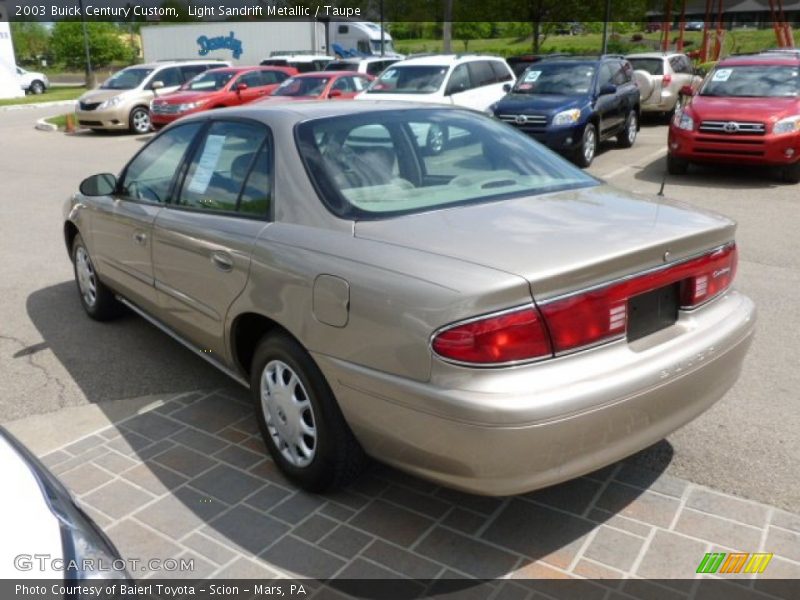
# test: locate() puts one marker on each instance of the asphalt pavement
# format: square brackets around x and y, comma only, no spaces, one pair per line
[53,357]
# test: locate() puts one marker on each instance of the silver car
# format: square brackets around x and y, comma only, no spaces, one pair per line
[661,77]
[488,317]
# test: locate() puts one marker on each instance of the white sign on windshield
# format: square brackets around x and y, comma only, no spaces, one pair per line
[207,164]
[532,76]
[722,75]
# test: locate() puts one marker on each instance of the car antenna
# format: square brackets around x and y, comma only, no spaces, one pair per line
[663,183]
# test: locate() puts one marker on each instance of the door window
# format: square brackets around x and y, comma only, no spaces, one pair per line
[252,79]
[459,80]
[171,77]
[344,84]
[149,175]
[219,175]
[501,72]
[606,75]
[376,68]
[272,77]
[192,71]
[481,73]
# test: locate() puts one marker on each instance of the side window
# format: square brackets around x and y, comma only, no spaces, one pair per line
[220,167]
[343,29]
[171,77]
[686,65]
[345,84]
[360,83]
[501,72]
[605,76]
[149,175]
[192,71]
[273,77]
[363,46]
[252,79]
[459,80]
[481,73]
[257,192]
[621,76]
[376,67]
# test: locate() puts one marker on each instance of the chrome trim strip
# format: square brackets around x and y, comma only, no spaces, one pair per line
[187,344]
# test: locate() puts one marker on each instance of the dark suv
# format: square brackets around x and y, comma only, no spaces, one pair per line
[572,104]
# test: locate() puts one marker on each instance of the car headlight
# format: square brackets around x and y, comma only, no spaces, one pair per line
[683,120]
[787,125]
[110,103]
[567,117]
[191,105]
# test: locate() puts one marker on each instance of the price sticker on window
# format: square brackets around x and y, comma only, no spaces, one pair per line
[532,76]
[722,75]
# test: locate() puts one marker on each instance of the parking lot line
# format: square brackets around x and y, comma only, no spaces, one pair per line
[645,159]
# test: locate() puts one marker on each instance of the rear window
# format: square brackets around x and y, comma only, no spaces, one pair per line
[654,66]
[385,163]
[753,81]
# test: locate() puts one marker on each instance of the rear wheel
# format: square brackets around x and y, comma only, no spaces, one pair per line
[588,147]
[791,174]
[37,87]
[139,121]
[299,418]
[627,136]
[98,301]
[677,166]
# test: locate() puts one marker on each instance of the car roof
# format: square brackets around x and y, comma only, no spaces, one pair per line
[445,60]
[654,55]
[179,63]
[299,57]
[763,58]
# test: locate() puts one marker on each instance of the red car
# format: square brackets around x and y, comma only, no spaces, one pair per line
[217,88]
[333,85]
[746,112]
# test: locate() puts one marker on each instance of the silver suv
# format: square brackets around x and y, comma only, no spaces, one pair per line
[660,77]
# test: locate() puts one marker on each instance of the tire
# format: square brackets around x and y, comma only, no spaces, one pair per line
[627,137]
[646,84]
[98,301]
[139,120]
[677,166]
[588,147]
[436,140]
[328,455]
[791,174]
[37,87]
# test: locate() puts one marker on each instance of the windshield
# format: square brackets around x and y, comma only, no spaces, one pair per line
[569,79]
[386,163]
[210,81]
[409,80]
[753,81]
[127,79]
[654,66]
[388,48]
[341,65]
[302,86]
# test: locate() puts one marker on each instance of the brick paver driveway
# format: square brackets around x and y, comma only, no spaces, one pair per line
[188,477]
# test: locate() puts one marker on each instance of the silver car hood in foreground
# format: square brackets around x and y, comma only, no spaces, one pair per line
[563,241]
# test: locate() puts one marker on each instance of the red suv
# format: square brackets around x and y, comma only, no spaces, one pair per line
[217,88]
[746,112]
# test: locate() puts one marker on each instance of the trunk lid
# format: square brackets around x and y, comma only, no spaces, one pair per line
[561,242]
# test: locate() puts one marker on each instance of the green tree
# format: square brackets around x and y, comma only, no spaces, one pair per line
[106,45]
[31,41]
[471,30]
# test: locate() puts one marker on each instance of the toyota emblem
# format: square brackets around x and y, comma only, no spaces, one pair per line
[731,127]
[521,119]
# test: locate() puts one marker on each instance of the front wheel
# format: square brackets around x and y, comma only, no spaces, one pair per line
[627,136]
[37,87]
[588,146]
[676,166]
[98,301]
[299,418]
[140,120]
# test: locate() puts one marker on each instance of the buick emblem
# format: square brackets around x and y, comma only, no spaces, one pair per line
[520,119]
[731,127]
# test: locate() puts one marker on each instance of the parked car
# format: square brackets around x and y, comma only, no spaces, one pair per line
[572,104]
[338,85]
[32,82]
[46,535]
[373,65]
[122,102]
[695,26]
[472,81]
[218,88]
[660,78]
[447,314]
[746,112]
[304,63]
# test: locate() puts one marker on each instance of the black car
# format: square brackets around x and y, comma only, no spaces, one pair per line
[572,104]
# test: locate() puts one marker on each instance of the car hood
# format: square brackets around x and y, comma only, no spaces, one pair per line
[560,242]
[278,99]
[185,97]
[101,95]
[424,98]
[537,103]
[711,108]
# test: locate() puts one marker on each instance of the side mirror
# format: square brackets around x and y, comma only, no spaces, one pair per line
[506,87]
[607,90]
[687,90]
[155,86]
[240,87]
[98,185]
[335,94]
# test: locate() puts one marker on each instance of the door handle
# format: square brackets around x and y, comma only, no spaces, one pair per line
[140,237]
[222,261]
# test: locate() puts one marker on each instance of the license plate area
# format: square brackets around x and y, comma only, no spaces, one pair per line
[652,311]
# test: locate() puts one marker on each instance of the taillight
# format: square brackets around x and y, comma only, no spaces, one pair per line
[600,315]
[666,80]
[517,335]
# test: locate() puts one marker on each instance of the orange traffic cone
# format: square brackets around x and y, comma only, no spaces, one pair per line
[70,123]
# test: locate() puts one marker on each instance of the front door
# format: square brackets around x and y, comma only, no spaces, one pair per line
[122,224]
[203,240]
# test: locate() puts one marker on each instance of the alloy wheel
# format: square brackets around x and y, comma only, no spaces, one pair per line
[87,280]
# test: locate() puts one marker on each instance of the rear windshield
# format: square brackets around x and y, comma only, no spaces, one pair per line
[210,81]
[384,163]
[570,79]
[302,86]
[409,80]
[753,81]
[654,66]
[127,79]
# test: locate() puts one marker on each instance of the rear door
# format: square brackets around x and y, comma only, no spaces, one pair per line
[202,240]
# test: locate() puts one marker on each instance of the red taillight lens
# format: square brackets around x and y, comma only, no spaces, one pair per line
[600,315]
[513,336]
[666,80]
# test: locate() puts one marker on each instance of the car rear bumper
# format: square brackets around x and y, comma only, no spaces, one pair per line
[767,149]
[507,431]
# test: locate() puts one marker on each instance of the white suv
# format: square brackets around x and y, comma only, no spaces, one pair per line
[472,81]
[30,81]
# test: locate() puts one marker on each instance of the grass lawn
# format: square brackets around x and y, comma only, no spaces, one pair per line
[51,95]
[59,121]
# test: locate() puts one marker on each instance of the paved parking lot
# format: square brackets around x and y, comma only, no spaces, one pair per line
[164,452]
